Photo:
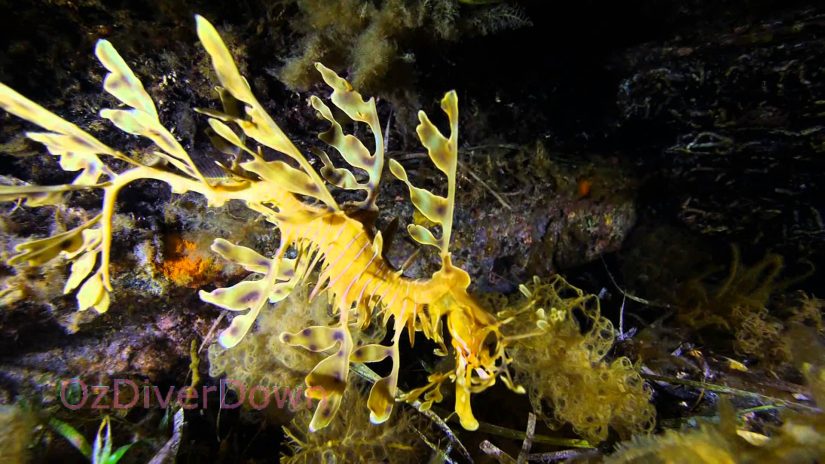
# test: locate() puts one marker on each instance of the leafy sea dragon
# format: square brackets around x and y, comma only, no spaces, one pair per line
[317,233]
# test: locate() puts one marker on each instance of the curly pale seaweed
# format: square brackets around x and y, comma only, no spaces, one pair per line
[563,365]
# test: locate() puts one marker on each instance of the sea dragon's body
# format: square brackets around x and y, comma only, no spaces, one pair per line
[316,232]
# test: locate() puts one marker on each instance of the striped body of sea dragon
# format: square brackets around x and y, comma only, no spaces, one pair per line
[316,232]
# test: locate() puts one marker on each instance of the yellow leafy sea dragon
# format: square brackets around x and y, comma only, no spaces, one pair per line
[316,231]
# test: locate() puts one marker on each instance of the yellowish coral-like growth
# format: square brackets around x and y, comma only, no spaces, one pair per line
[743,304]
[563,363]
[16,429]
[704,446]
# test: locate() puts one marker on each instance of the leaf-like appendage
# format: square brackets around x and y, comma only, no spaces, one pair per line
[37,195]
[444,154]
[316,338]
[241,324]
[250,259]
[279,279]
[330,377]
[75,155]
[121,82]
[423,235]
[378,244]
[462,403]
[143,119]
[382,399]
[434,207]
[239,327]
[81,268]
[76,148]
[249,294]
[371,353]
[433,396]
[339,177]
[442,151]
[431,391]
[80,245]
[40,251]
[259,125]
[222,61]
[24,108]
[227,134]
[283,176]
[349,100]
[352,150]
[239,297]
[93,294]
[383,392]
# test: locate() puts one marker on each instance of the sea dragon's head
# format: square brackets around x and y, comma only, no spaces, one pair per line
[478,346]
[480,355]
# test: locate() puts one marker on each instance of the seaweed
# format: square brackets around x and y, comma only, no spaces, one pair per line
[376,41]
[561,359]
[800,438]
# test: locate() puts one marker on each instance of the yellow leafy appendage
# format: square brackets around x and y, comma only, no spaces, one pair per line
[316,232]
